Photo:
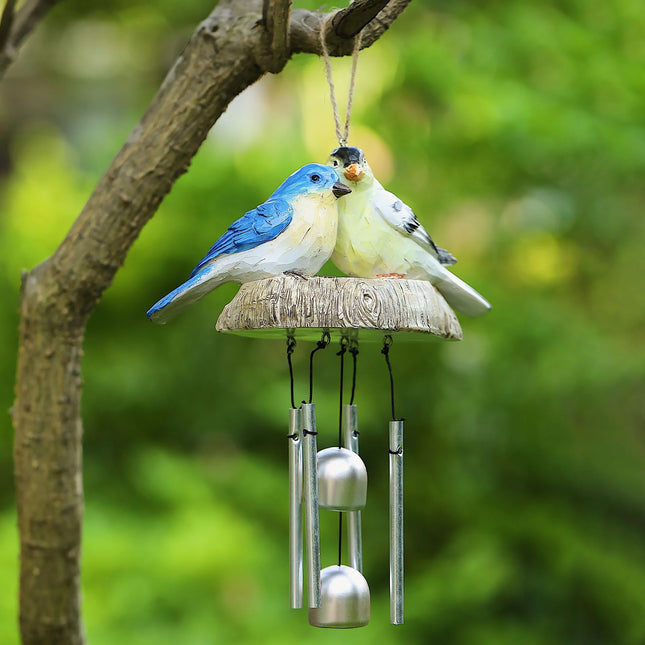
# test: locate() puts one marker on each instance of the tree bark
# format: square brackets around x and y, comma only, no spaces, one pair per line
[228,51]
[15,26]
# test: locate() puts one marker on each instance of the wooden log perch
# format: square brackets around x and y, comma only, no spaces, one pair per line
[270,307]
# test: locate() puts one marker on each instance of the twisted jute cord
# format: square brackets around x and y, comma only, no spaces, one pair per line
[341,135]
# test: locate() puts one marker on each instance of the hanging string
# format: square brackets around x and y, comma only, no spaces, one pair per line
[340,538]
[387,341]
[344,342]
[341,135]
[353,350]
[291,345]
[321,344]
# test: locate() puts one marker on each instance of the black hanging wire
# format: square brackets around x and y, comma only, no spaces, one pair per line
[387,342]
[340,538]
[321,344]
[353,350]
[291,345]
[344,342]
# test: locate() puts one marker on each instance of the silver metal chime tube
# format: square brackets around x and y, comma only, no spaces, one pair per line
[396,522]
[295,508]
[312,531]
[354,537]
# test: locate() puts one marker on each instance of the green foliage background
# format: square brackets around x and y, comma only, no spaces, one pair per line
[515,130]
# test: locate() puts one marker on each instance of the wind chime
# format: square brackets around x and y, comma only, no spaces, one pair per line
[317,308]
[335,478]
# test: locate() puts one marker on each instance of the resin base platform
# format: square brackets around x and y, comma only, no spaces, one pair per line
[355,307]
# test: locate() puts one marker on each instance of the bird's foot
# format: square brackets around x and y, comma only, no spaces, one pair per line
[390,275]
[295,274]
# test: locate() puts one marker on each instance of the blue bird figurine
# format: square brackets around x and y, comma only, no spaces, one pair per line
[294,231]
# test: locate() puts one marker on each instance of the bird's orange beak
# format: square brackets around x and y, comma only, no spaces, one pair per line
[354,172]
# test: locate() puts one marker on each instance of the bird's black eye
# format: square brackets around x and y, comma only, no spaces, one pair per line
[315,178]
[335,162]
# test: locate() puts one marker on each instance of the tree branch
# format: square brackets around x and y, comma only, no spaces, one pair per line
[6,22]
[226,53]
[21,24]
[349,21]
[361,14]
[275,16]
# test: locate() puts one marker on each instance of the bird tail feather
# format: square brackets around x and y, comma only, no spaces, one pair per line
[461,296]
[446,257]
[185,295]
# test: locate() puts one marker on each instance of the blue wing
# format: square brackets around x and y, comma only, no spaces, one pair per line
[255,227]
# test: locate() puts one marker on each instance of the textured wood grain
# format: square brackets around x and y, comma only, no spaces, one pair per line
[309,306]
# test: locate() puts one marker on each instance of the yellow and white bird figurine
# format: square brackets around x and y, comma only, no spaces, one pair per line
[379,236]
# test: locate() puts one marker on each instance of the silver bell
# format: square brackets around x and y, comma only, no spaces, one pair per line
[342,480]
[345,599]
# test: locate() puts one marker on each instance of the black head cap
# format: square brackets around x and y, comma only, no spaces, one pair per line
[349,155]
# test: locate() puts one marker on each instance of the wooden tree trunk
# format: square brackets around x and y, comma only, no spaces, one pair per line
[239,42]
[47,454]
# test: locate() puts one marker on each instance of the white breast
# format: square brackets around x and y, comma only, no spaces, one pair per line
[368,245]
[304,246]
